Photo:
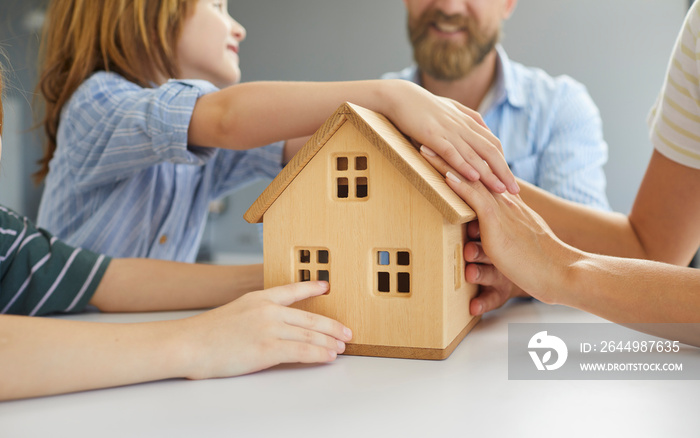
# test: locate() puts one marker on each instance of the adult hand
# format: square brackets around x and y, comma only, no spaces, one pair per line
[258,331]
[495,289]
[453,131]
[517,240]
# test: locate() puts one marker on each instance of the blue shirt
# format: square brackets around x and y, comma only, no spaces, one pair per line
[550,130]
[123,180]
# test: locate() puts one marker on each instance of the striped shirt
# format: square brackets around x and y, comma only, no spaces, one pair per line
[123,180]
[39,274]
[674,121]
[550,129]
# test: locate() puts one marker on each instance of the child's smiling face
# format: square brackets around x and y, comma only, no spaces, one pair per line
[208,45]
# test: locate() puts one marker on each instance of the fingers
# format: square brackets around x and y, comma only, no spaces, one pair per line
[493,292]
[474,163]
[488,299]
[302,326]
[436,161]
[490,163]
[485,275]
[317,323]
[458,161]
[474,253]
[291,293]
[442,166]
[475,194]
[473,230]
[493,168]
[299,352]
[306,337]
[495,288]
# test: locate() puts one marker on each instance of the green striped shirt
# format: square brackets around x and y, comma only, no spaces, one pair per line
[674,121]
[40,274]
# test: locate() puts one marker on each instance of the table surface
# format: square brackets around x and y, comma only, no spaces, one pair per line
[467,394]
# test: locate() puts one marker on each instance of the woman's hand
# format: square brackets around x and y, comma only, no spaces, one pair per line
[516,239]
[258,331]
[455,132]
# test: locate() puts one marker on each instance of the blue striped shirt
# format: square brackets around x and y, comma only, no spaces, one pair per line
[123,180]
[550,129]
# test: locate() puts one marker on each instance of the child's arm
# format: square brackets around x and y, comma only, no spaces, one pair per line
[258,113]
[43,356]
[143,285]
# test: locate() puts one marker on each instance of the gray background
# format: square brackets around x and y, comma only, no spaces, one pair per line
[619,49]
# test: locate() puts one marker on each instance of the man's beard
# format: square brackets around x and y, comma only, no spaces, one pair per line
[449,60]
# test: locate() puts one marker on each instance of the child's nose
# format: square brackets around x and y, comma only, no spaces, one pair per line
[238,30]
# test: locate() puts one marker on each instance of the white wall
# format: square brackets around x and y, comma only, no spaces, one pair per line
[617,48]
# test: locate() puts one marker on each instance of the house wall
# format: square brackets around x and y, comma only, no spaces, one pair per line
[395,215]
[458,292]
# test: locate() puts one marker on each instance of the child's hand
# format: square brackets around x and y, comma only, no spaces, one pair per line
[455,132]
[258,331]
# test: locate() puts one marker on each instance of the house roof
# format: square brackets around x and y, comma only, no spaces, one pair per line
[380,132]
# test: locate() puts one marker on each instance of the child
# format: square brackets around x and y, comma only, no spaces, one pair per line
[132,160]
[43,356]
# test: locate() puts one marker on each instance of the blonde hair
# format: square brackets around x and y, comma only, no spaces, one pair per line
[134,38]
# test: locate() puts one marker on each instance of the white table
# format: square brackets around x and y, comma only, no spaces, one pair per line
[468,394]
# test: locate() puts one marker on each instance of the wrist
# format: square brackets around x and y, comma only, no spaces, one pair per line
[565,276]
[178,347]
[387,96]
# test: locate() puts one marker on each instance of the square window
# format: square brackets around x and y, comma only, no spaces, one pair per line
[304,275]
[383,281]
[383,258]
[361,187]
[322,255]
[342,187]
[342,163]
[403,258]
[323,275]
[360,163]
[304,256]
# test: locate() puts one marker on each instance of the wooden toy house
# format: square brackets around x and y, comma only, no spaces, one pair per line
[359,206]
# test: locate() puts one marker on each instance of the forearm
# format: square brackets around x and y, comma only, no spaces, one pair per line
[141,285]
[632,291]
[291,147]
[258,113]
[44,356]
[591,230]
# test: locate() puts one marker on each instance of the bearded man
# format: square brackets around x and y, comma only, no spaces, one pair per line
[550,128]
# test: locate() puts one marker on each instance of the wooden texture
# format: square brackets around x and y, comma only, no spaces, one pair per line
[383,135]
[356,189]
[394,216]
[409,352]
[456,299]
